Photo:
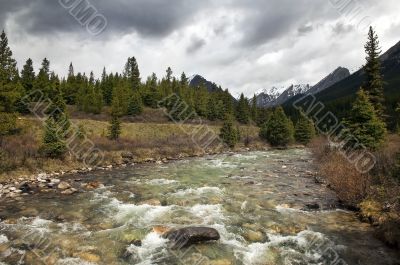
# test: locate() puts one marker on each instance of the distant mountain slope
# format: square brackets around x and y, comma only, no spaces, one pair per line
[197,80]
[338,75]
[272,98]
[338,98]
[266,98]
[347,88]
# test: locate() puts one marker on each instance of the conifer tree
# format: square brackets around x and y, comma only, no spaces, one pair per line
[228,133]
[132,73]
[305,129]
[117,110]
[135,106]
[363,127]
[373,71]
[42,82]
[278,131]
[10,88]
[28,76]
[242,110]
[201,101]
[254,109]
[57,124]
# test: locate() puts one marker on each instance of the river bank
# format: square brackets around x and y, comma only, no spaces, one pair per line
[62,182]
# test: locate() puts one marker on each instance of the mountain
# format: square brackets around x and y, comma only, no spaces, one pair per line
[338,75]
[345,90]
[291,92]
[197,80]
[338,98]
[271,98]
[266,98]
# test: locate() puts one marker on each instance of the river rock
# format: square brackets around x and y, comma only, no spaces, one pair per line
[69,191]
[311,207]
[254,236]
[63,185]
[186,237]
[161,230]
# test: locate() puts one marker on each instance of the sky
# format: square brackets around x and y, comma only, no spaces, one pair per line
[242,45]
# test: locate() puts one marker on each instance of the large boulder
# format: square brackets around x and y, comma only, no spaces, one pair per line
[188,236]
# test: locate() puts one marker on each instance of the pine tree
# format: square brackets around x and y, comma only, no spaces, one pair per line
[132,73]
[278,131]
[53,145]
[304,130]
[228,133]
[114,130]
[201,102]
[363,127]
[242,110]
[42,82]
[57,124]
[135,106]
[373,71]
[28,76]
[254,109]
[10,88]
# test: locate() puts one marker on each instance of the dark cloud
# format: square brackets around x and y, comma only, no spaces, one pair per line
[154,18]
[195,44]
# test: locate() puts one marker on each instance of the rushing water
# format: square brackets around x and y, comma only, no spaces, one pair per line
[254,200]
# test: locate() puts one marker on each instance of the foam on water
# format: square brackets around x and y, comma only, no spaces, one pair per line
[287,247]
[3,239]
[161,182]
[153,247]
[143,214]
[73,261]
[209,213]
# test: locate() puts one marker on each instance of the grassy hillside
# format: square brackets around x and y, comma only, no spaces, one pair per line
[143,140]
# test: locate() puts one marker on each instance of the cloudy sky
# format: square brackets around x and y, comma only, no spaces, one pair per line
[243,45]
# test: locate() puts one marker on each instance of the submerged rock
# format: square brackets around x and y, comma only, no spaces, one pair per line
[311,207]
[186,237]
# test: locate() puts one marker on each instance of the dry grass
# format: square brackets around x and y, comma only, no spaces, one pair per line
[19,153]
[376,194]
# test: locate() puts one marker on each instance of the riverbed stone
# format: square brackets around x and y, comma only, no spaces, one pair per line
[89,257]
[63,185]
[185,237]
[254,236]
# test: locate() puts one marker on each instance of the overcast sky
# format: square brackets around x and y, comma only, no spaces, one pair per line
[240,44]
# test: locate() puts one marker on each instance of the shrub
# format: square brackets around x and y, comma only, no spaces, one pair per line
[305,129]
[278,131]
[228,133]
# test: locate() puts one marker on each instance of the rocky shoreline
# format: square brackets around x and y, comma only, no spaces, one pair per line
[64,183]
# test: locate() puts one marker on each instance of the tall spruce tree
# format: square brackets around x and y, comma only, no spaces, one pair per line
[278,130]
[305,129]
[243,110]
[10,88]
[132,73]
[363,126]
[28,76]
[117,110]
[57,124]
[373,71]
[42,82]
[228,133]
[254,109]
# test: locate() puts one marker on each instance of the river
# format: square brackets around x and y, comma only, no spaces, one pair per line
[255,200]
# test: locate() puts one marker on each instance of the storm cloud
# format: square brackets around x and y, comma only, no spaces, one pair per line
[242,45]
